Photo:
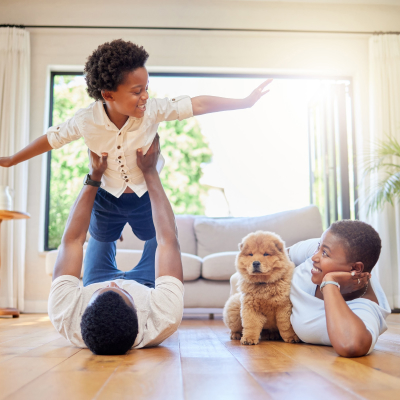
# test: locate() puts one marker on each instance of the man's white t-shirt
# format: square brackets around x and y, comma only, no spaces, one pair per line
[308,314]
[159,310]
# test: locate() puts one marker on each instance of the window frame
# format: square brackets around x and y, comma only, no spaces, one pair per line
[210,74]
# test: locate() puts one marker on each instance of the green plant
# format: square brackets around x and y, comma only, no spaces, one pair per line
[385,162]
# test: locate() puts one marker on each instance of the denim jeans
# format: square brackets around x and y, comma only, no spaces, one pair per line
[100,265]
[110,214]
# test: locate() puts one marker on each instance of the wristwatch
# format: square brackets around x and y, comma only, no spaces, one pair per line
[88,181]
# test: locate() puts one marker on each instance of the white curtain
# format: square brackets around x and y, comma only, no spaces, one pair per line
[14,135]
[385,122]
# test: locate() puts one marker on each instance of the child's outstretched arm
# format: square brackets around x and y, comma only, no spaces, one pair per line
[39,146]
[209,104]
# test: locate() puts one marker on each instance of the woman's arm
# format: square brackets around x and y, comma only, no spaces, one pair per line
[209,104]
[39,146]
[347,332]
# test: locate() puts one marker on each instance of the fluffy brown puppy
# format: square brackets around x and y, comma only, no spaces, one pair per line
[263,302]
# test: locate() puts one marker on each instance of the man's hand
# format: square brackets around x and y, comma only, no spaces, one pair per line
[349,281]
[148,162]
[5,162]
[97,165]
[257,93]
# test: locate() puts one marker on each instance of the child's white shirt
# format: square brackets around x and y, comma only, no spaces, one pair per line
[102,136]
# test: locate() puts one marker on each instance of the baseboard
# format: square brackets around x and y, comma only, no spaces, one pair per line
[197,311]
[40,306]
[35,306]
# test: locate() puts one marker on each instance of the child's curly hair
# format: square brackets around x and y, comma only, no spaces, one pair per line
[106,67]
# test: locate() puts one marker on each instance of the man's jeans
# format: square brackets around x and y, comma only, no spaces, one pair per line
[100,265]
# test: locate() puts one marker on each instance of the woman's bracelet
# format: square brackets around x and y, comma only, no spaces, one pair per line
[327,283]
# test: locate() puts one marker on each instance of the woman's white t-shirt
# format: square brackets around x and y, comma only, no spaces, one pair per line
[308,313]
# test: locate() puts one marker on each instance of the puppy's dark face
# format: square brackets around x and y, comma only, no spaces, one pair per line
[262,257]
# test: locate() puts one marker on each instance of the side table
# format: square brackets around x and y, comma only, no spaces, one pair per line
[8,215]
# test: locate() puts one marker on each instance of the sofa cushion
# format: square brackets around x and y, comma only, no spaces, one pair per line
[186,236]
[191,267]
[216,235]
[219,266]
[203,293]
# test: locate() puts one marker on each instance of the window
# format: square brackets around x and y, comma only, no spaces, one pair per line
[293,148]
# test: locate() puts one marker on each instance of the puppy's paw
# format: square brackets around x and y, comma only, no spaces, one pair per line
[236,335]
[248,341]
[291,338]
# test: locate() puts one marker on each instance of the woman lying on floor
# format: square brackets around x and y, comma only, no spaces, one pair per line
[335,299]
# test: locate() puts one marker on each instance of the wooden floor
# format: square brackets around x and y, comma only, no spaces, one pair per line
[197,362]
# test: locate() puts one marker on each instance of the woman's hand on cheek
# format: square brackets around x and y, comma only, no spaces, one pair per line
[349,281]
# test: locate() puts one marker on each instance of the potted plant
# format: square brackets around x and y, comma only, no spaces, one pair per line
[385,161]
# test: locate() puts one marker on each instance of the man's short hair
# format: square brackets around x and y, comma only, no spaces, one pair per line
[109,326]
[361,241]
[106,67]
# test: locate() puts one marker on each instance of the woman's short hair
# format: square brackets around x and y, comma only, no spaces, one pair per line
[361,241]
[109,326]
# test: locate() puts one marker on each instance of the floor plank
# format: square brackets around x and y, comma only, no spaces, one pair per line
[280,375]
[196,363]
[79,377]
[209,370]
[17,372]
[153,373]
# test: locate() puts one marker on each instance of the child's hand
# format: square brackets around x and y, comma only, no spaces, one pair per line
[5,162]
[257,93]
[97,165]
[147,163]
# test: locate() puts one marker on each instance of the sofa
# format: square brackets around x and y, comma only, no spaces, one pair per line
[209,247]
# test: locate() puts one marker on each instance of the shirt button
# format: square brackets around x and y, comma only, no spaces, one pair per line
[118,147]
[58,127]
[119,134]
[125,177]
[173,99]
[126,180]
[122,166]
[119,157]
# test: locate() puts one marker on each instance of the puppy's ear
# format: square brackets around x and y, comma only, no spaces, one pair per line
[240,246]
[279,245]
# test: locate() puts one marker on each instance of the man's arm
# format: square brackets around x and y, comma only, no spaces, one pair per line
[39,146]
[168,254]
[70,253]
[209,104]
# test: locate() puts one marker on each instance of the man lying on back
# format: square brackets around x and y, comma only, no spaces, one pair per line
[120,310]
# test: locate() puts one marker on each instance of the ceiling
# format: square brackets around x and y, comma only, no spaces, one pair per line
[348,2]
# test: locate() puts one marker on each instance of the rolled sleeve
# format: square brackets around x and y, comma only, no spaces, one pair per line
[301,251]
[166,309]
[370,314]
[178,108]
[62,134]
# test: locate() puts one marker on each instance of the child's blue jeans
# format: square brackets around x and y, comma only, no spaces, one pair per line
[110,214]
[108,218]
[100,265]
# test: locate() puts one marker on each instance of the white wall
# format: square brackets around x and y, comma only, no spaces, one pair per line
[304,53]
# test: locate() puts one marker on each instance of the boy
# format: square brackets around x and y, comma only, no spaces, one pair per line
[122,120]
